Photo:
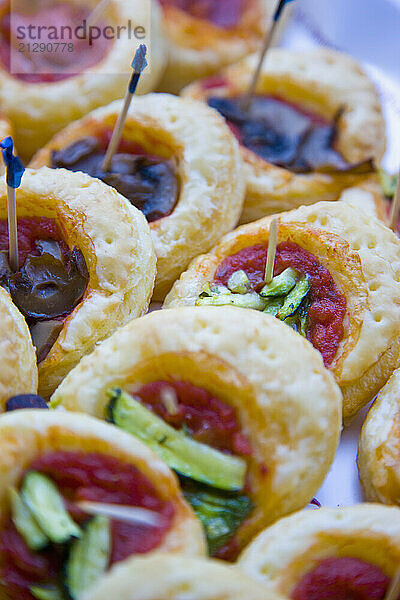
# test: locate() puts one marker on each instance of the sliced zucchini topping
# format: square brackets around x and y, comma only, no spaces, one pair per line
[213,290]
[273,305]
[183,454]
[281,284]
[239,283]
[285,297]
[45,503]
[294,298]
[221,514]
[47,592]
[25,522]
[88,557]
[250,300]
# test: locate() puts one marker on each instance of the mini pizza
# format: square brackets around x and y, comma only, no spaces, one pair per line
[177,162]
[314,127]
[87,265]
[205,35]
[54,466]
[331,553]
[211,391]
[39,91]
[379,449]
[18,371]
[336,281]
[162,577]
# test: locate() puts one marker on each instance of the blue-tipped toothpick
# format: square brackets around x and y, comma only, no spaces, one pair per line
[139,64]
[267,43]
[15,170]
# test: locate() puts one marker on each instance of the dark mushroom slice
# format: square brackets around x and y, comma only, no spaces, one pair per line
[46,289]
[149,183]
[287,137]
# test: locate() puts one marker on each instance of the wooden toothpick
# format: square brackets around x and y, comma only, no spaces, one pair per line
[267,44]
[394,588]
[139,63]
[13,257]
[272,242]
[394,213]
[15,170]
[129,514]
[97,12]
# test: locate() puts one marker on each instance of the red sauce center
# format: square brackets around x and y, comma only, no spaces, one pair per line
[50,46]
[79,476]
[207,419]
[328,305]
[222,13]
[342,579]
[29,231]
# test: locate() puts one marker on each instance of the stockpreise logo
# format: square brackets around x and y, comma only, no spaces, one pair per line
[57,40]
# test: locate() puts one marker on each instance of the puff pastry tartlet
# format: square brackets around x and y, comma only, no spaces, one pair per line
[162,577]
[45,454]
[49,105]
[324,116]
[109,256]
[18,372]
[353,313]
[379,449]
[202,37]
[225,381]
[351,552]
[199,198]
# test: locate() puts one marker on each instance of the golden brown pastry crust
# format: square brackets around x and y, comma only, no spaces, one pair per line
[283,553]
[18,370]
[209,170]
[368,197]
[27,434]
[38,111]
[379,448]
[197,48]
[321,81]
[162,577]
[115,240]
[247,360]
[362,256]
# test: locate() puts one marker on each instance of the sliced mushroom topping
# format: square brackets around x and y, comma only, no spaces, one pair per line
[285,136]
[47,287]
[149,183]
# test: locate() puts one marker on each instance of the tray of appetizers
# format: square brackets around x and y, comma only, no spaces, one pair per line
[199,301]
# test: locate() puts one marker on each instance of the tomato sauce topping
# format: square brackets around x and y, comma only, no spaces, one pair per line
[29,231]
[95,477]
[58,24]
[342,579]
[222,13]
[328,306]
[207,419]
